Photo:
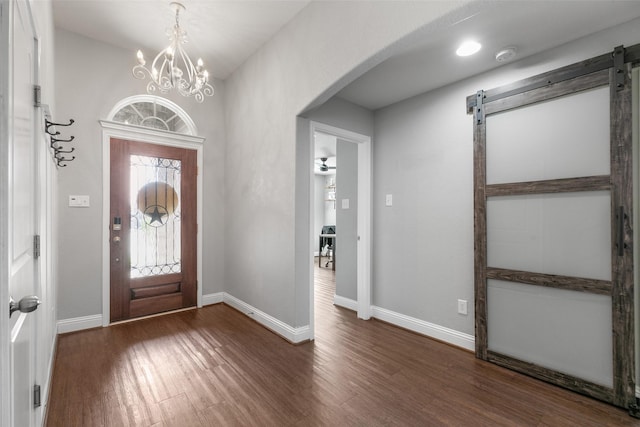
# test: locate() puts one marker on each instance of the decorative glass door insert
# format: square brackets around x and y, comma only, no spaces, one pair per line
[155,216]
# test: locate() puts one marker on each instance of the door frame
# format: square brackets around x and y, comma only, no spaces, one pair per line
[364,218]
[5,107]
[136,133]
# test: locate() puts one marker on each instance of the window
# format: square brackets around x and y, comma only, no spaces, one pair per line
[153,112]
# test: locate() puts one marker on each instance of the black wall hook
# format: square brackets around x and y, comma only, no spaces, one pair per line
[56,144]
[48,124]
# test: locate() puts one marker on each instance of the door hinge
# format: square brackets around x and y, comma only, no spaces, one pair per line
[36,396]
[37,96]
[36,246]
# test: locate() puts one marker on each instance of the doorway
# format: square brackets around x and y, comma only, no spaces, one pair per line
[157,127]
[362,236]
[153,229]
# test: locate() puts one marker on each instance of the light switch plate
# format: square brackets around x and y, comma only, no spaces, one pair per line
[345,203]
[79,201]
[388,200]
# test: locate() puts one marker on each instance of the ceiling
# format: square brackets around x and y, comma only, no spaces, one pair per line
[325,146]
[226,33]
[529,26]
[223,33]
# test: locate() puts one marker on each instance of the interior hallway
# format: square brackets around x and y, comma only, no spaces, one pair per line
[215,366]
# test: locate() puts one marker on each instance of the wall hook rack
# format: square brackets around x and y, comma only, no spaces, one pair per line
[56,144]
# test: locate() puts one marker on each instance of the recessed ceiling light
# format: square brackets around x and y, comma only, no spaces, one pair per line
[468,48]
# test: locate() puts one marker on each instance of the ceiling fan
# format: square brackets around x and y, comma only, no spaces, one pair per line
[323,166]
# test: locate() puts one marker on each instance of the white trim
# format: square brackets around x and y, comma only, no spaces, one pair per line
[364,215]
[211,299]
[79,323]
[345,302]
[193,130]
[153,136]
[6,108]
[291,334]
[450,336]
[46,387]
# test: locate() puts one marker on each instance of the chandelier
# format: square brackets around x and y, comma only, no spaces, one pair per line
[173,69]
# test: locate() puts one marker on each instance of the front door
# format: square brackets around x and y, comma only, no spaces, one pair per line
[18,213]
[153,229]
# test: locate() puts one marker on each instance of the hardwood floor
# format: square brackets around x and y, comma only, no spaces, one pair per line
[216,367]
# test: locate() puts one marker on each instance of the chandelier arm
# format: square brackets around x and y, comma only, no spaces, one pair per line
[188,85]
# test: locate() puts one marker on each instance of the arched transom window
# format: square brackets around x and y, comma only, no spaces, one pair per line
[153,112]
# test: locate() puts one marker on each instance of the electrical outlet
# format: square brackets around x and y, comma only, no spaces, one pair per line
[462,306]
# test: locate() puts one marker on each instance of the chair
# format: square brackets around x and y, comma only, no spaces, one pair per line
[329,242]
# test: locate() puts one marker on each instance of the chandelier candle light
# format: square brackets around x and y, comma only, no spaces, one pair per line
[173,69]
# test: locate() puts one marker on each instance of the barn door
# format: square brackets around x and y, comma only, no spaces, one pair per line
[553,238]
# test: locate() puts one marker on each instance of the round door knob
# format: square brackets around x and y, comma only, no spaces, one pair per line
[25,305]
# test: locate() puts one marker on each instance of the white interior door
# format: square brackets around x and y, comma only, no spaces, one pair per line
[19,198]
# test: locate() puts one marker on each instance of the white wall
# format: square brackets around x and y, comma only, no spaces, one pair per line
[91,77]
[323,48]
[423,248]
[324,212]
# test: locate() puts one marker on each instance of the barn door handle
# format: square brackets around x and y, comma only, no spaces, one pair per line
[25,305]
[620,241]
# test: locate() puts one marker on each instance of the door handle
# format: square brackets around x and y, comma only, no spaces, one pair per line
[25,305]
[620,237]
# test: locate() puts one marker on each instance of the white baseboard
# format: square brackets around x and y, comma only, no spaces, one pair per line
[294,335]
[210,299]
[79,323]
[303,333]
[345,302]
[432,330]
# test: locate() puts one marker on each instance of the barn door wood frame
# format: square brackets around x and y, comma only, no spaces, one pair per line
[612,69]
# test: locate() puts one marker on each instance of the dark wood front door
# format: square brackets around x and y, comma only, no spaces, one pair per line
[153,229]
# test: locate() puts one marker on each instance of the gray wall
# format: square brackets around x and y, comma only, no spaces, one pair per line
[344,115]
[347,220]
[308,61]
[319,208]
[91,77]
[423,247]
